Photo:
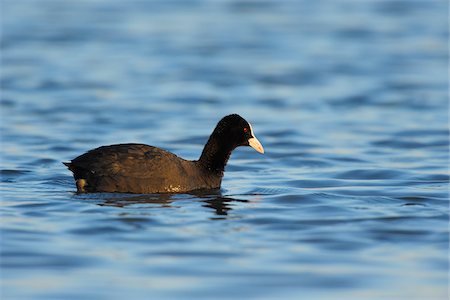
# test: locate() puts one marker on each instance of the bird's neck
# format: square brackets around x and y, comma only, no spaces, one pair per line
[215,155]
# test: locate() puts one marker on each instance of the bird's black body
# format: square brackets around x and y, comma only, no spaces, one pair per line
[138,168]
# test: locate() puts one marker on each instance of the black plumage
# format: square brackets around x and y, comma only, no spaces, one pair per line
[138,168]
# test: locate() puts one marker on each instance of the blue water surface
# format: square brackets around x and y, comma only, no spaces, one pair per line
[348,97]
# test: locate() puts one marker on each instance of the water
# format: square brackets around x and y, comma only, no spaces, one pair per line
[349,99]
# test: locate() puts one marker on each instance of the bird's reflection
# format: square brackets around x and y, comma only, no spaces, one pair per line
[123,200]
[221,205]
[214,200]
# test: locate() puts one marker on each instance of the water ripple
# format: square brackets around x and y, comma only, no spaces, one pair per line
[349,98]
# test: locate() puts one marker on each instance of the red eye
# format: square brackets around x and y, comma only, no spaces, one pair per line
[245,129]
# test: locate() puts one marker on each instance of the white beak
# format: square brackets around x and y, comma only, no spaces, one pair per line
[255,144]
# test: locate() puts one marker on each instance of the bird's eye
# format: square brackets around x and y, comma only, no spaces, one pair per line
[245,129]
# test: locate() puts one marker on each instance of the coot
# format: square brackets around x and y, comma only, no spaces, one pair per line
[138,168]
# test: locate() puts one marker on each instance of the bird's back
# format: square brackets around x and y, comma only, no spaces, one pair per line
[137,168]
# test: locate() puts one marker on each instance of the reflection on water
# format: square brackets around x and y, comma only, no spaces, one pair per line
[349,99]
[219,204]
[163,200]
